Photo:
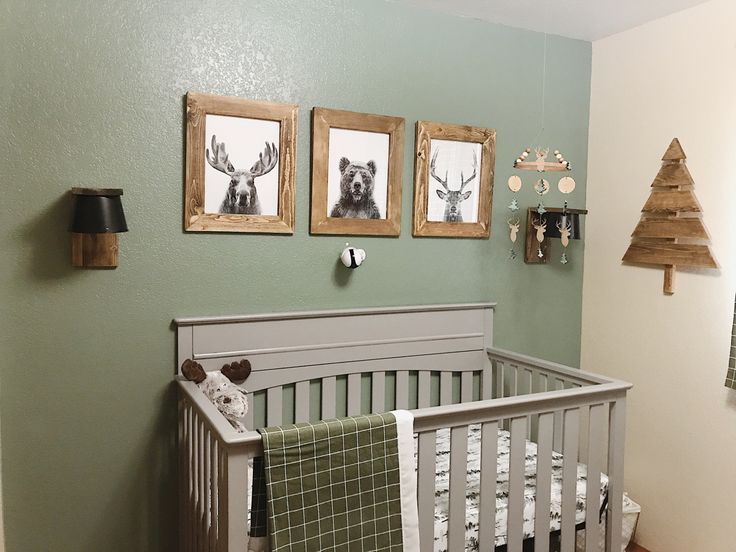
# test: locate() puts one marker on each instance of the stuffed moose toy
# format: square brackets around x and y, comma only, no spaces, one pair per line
[220,388]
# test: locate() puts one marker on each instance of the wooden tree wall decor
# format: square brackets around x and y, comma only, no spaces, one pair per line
[671,231]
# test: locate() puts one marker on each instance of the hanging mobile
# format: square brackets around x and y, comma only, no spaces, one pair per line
[514,205]
[512,254]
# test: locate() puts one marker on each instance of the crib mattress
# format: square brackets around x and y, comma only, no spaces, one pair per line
[442,493]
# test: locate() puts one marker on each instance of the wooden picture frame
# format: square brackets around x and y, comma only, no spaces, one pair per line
[380,218]
[237,205]
[424,225]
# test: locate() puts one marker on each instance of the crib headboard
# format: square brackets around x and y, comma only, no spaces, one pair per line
[288,348]
[283,346]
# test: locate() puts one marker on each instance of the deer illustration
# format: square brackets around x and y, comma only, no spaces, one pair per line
[242,196]
[453,198]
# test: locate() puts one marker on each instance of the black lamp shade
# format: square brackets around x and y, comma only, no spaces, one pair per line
[98,211]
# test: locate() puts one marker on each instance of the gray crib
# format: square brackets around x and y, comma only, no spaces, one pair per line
[437,361]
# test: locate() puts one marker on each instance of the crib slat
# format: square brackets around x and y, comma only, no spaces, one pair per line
[274,405]
[186,535]
[514,381]
[458,484]
[517,464]
[569,477]
[445,388]
[237,500]
[223,525]
[378,392]
[213,494]
[329,397]
[616,434]
[427,449]
[202,488]
[353,394]
[181,449]
[424,383]
[486,383]
[544,483]
[488,478]
[206,495]
[402,389]
[301,402]
[558,384]
[499,370]
[466,387]
[596,429]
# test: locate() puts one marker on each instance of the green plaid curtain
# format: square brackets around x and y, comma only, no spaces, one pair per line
[731,375]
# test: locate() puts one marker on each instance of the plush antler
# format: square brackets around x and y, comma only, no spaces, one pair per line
[266,161]
[193,371]
[237,372]
[434,174]
[472,177]
[220,159]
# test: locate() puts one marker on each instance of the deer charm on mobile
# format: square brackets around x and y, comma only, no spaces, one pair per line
[242,196]
[540,225]
[453,198]
[565,227]
[514,224]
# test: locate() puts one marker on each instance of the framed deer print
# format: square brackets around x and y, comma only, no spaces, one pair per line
[357,161]
[453,180]
[240,165]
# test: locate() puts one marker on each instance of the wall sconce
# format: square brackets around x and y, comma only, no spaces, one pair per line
[98,217]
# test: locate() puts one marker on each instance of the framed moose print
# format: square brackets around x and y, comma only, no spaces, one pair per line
[240,165]
[453,180]
[357,161]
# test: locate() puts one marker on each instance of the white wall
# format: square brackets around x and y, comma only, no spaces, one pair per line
[672,77]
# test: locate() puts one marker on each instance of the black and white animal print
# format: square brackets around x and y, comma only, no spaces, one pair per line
[357,181]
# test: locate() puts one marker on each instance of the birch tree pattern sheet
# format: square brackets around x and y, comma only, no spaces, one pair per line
[442,493]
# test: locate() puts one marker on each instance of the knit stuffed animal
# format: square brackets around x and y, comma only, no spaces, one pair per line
[220,388]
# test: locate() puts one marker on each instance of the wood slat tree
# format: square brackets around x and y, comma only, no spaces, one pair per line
[671,230]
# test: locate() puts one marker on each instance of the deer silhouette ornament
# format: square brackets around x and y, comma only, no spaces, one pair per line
[453,198]
[241,197]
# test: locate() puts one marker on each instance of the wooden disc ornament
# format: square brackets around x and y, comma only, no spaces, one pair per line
[566,185]
[514,183]
[541,186]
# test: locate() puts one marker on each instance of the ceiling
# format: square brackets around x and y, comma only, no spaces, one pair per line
[582,19]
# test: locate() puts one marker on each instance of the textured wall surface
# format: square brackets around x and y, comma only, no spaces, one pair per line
[96,99]
[681,442]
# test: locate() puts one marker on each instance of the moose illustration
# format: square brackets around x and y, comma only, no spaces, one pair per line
[241,197]
[453,198]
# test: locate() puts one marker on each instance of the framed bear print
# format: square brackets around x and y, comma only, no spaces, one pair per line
[240,165]
[357,161]
[453,180]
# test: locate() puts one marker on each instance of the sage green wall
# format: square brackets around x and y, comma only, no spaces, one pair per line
[93,96]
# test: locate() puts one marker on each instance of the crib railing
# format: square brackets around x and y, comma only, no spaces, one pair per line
[578,414]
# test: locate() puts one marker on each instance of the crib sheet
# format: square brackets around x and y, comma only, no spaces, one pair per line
[442,493]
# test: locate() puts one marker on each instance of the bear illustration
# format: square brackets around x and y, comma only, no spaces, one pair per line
[356,191]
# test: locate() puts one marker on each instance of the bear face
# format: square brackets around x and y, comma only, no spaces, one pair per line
[357,179]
